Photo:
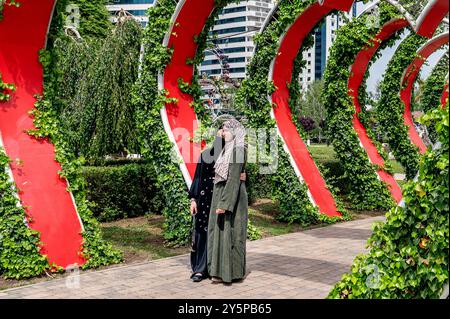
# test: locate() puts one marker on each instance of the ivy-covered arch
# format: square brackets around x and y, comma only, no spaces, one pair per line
[265,98]
[44,222]
[436,86]
[386,36]
[357,45]
[23,32]
[409,78]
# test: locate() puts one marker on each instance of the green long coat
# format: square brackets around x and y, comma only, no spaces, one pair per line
[227,233]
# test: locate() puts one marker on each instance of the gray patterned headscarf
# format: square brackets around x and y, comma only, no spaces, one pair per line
[226,156]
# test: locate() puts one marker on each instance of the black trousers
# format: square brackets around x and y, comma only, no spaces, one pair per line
[199,259]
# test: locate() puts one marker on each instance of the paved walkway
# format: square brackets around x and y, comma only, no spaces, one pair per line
[299,265]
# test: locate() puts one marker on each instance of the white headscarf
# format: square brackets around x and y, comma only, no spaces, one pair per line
[223,162]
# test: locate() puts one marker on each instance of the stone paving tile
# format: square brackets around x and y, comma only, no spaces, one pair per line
[300,265]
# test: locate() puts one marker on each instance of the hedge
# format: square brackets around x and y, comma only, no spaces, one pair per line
[123,191]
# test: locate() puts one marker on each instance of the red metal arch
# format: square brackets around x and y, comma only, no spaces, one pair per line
[431,17]
[358,70]
[42,192]
[281,74]
[408,80]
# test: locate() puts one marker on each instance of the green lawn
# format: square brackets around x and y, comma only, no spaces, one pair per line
[323,153]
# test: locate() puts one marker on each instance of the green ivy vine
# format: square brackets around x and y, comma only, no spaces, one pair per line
[19,245]
[390,108]
[433,88]
[434,84]
[5,90]
[366,191]
[252,100]
[408,254]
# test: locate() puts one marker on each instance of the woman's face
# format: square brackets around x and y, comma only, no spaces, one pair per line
[227,135]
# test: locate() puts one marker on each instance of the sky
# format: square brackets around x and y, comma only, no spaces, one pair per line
[379,67]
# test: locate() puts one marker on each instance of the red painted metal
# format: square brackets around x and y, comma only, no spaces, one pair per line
[444,96]
[408,81]
[42,192]
[181,115]
[432,17]
[358,70]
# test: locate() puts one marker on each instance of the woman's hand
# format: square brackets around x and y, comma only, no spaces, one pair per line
[220,211]
[193,208]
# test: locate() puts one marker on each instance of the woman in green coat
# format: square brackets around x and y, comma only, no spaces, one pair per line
[227,226]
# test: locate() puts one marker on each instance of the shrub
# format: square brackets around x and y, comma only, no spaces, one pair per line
[408,255]
[123,191]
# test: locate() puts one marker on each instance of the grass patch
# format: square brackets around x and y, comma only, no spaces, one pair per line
[398,168]
[322,153]
[140,238]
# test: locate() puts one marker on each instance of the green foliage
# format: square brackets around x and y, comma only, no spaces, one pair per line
[155,145]
[253,233]
[102,114]
[390,108]
[433,89]
[258,185]
[5,90]
[19,245]
[366,191]
[122,191]
[251,99]
[92,83]
[408,255]
[94,19]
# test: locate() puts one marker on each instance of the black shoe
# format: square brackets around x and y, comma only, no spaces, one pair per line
[197,278]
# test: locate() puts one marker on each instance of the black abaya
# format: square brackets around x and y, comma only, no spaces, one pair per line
[201,190]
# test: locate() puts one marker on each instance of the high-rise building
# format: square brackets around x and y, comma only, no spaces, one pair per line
[233,34]
[138,8]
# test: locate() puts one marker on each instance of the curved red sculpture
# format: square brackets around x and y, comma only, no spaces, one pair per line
[444,96]
[281,74]
[358,70]
[42,192]
[408,80]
